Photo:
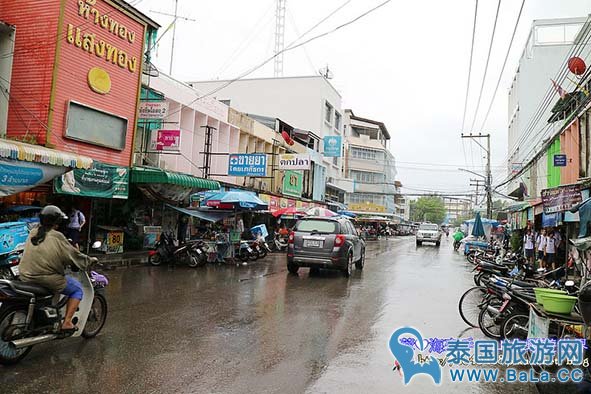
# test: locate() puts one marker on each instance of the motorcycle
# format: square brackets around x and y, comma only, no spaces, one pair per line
[457,245]
[9,265]
[260,247]
[278,244]
[245,252]
[165,250]
[30,314]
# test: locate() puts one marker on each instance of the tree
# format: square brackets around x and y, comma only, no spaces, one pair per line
[429,209]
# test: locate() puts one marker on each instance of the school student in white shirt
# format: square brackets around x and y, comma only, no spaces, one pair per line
[528,245]
[550,250]
[540,245]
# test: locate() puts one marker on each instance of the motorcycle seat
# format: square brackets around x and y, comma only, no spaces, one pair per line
[31,288]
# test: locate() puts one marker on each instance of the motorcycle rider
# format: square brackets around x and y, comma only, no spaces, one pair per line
[47,253]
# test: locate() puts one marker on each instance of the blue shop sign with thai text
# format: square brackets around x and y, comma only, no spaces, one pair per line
[253,164]
[559,160]
[332,146]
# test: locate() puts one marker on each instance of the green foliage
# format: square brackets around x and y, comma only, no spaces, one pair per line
[430,209]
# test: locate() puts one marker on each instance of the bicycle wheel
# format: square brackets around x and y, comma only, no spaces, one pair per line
[515,326]
[490,321]
[470,304]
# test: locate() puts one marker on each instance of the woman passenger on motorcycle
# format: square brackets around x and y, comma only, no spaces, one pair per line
[47,253]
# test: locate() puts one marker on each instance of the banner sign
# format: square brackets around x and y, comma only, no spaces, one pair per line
[153,109]
[298,161]
[561,198]
[538,326]
[332,146]
[253,164]
[293,184]
[18,176]
[559,160]
[165,140]
[103,180]
[516,168]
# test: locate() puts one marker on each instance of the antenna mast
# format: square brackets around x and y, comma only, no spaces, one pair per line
[279,37]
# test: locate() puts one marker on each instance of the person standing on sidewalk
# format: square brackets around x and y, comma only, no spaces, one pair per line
[540,245]
[550,250]
[528,245]
[75,224]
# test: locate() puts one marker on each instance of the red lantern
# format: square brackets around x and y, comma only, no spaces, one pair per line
[287,138]
[576,65]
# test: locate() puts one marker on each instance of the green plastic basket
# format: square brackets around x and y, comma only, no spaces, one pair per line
[542,291]
[559,303]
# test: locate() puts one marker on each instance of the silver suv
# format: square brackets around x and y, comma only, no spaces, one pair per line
[320,242]
[428,232]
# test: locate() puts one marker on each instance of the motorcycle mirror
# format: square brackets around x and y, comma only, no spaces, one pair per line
[97,244]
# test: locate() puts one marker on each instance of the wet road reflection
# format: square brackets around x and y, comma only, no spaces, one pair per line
[226,329]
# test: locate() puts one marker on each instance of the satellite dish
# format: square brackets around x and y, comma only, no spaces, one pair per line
[150,69]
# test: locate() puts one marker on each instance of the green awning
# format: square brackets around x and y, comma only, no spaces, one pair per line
[157,175]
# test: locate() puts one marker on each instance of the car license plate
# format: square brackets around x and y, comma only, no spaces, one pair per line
[312,243]
[15,270]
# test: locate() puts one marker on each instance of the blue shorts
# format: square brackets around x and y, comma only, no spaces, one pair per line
[73,289]
[529,253]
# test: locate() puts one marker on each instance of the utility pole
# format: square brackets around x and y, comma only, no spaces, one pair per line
[488,177]
[477,183]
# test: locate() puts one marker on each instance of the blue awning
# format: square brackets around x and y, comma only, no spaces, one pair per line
[204,215]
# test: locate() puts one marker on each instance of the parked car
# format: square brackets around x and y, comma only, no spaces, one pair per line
[325,242]
[428,232]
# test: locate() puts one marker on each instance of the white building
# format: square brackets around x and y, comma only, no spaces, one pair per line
[370,164]
[547,48]
[308,103]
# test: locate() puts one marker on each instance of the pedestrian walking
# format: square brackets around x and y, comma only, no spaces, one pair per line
[540,245]
[528,245]
[75,224]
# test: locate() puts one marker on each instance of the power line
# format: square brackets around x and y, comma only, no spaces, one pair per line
[503,67]
[470,67]
[492,39]
[289,48]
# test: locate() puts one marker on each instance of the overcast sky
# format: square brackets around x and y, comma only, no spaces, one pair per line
[406,65]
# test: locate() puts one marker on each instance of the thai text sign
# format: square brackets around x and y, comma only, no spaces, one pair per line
[18,176]
[332,146]
[559,160]
[293,183]
[254,164]
[153,109]
[561,198]
[103,180]
[294,162]
[165,140]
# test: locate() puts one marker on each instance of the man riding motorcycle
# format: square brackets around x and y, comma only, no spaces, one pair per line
[47,253]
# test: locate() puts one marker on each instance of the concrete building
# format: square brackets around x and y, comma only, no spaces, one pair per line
[548,46]
[457,208]
[307,103]
[370,165]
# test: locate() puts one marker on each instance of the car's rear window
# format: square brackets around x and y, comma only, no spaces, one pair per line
[317,226]
[429,227]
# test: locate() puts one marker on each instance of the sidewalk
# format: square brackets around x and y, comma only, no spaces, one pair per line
[126,259]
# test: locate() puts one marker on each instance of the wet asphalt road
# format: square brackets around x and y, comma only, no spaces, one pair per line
[257,329]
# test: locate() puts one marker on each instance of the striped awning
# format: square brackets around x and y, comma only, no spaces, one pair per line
[15,150]
[157,175]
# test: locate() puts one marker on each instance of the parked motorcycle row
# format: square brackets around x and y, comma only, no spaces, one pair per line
[507,289]
[196,253]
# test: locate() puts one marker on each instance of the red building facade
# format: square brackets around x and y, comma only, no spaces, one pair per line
[76,75]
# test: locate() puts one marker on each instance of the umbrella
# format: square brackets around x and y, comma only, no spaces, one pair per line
[238,200]
[347,213]
[478,230]
[317,211]
[289,211]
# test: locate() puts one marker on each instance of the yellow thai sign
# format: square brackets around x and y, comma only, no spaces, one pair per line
[367,207]
[88,41]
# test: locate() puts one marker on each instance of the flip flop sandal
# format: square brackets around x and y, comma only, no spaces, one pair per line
[68,332]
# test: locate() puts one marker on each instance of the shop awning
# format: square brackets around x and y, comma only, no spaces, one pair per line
[15,150]
[157,175]
[204,215]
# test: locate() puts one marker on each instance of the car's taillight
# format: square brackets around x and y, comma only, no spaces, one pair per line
[290,238]
[339,240]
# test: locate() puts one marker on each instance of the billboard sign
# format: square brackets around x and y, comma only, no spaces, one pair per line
[247,164]
[561,198]
[291,161]
[153,110]
[165,141]
[333,146]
